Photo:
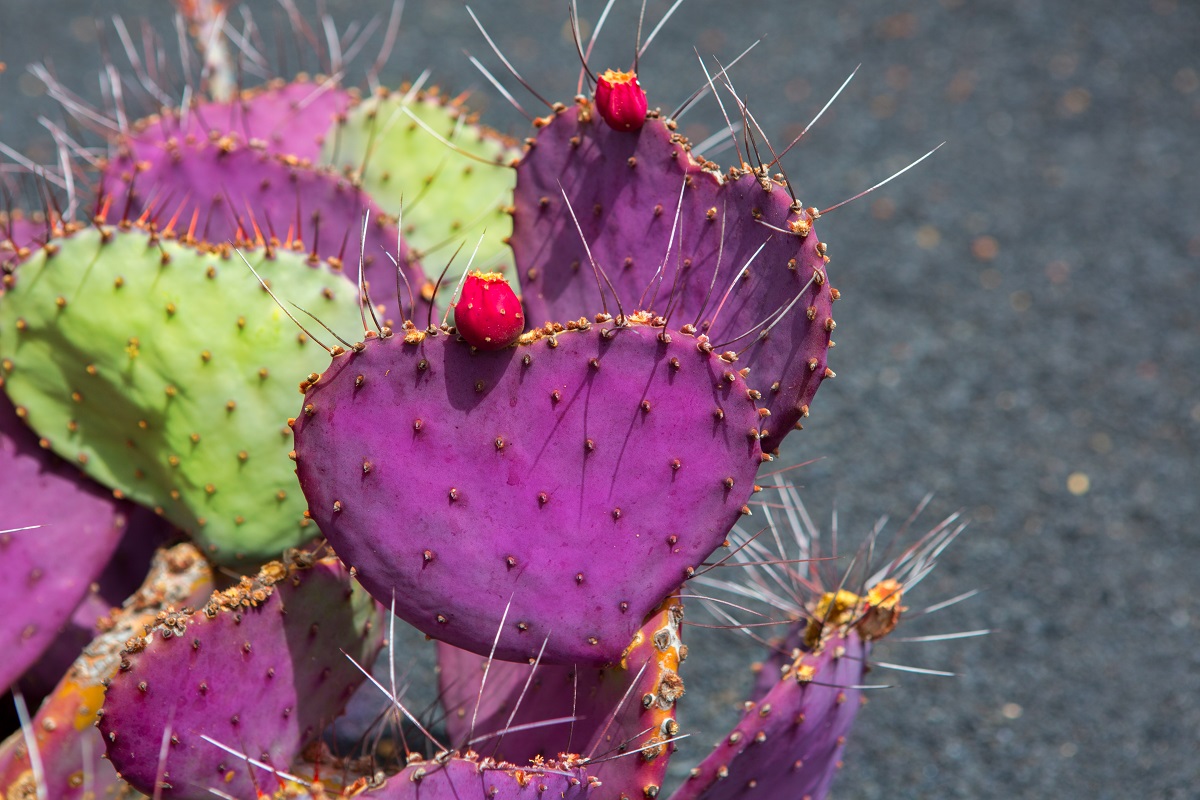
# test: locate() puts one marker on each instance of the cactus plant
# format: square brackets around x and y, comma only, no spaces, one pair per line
[531,496]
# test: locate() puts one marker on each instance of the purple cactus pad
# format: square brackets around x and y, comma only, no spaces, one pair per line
[17,235]
[625,189]
[564,485]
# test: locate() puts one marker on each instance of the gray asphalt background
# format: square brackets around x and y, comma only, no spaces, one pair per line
[1019,334]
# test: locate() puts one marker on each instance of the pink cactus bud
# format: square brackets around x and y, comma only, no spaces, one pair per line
[488,313]
[621,100]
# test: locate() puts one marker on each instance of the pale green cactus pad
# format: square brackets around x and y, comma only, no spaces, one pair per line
[168,374]
[395,146]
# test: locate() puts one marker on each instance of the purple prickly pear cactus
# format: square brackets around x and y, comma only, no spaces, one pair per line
[576,478]
[527,497]
[791,737]
[51,566]
[457,778]
[730,253]
[259,669]
[808,689]
[624,714]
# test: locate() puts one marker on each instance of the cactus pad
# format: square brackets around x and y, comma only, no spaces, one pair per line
[258,669]
[808,690]
[624,189]
[577,478]
[168,374]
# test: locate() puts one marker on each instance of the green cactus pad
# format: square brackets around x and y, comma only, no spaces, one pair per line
[168,374]
[448,197]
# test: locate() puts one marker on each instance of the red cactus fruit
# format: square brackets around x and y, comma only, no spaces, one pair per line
[621,100]
[488,314]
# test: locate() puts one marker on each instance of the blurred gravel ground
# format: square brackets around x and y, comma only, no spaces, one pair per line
[1019,334]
